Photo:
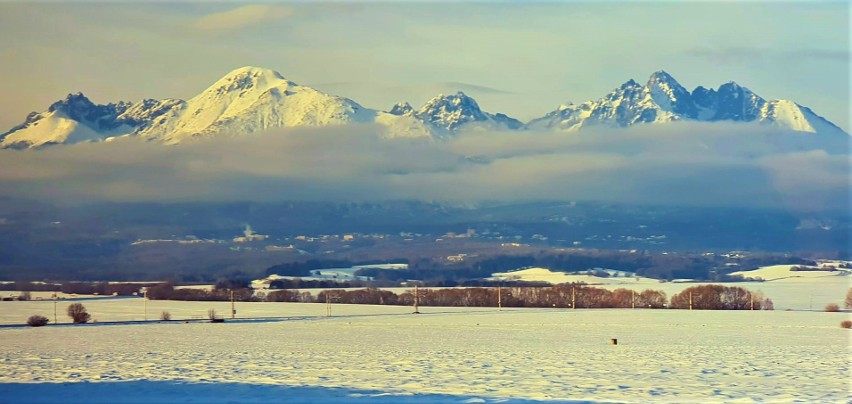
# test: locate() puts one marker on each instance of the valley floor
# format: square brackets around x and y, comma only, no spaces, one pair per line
[387,354]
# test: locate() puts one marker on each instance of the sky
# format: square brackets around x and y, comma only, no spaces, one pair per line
[520,59]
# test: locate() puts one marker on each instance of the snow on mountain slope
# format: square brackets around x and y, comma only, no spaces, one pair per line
[250,99]
[57,128]
[627,105]
[449,113]
[145,112]
[72,120]
[664,100]
[669,95]
[789,115]
[404,126]
[443,116]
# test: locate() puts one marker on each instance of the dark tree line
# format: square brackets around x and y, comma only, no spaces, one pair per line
[167,291]
[718,297]
[702,297]
[80,288]
[561,296]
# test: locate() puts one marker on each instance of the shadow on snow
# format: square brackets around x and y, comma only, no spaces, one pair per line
[144,391]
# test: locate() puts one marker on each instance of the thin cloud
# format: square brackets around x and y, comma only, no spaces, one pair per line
[242,17]
[747,55]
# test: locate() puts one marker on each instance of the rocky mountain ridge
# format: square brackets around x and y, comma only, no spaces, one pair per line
[252,99]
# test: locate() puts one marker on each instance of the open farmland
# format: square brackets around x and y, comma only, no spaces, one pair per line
[387,354]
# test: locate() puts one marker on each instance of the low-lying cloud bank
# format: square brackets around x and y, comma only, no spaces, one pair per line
[684,164]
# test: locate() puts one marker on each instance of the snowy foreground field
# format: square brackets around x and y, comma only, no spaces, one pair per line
[386,354]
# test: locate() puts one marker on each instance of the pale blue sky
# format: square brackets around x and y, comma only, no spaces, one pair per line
[519,59]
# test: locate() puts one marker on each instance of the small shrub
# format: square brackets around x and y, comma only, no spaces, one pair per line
[37,321]
[849,299]
[846,324]
[165,316]
[832,307]
[78,313]
[211,314]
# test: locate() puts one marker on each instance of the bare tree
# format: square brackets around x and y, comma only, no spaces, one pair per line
[78,313]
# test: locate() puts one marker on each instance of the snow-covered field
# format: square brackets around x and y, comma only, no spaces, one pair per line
[387,354]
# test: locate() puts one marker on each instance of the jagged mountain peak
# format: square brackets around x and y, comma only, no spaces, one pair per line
[451,111]
[73,119]
[629,84]
[78,106]
[670,95]
[663,99]
[661,75]
[457,101]
[662,79]
[733,86]
[401,108]
[459,98]
[72,99]
[250,99]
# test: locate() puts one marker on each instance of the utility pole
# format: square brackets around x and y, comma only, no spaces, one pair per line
[751,297]
[233,310]
[55,301]
[690,300]
[145,299]
[327,305]
[416,300]
[633,301]
[499,298]
[573,298]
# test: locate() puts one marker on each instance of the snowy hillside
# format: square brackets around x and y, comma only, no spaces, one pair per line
[797,272]
[252,99]
[556,277]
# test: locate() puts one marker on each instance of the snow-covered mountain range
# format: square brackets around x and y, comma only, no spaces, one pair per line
[662,99]
[251,99]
